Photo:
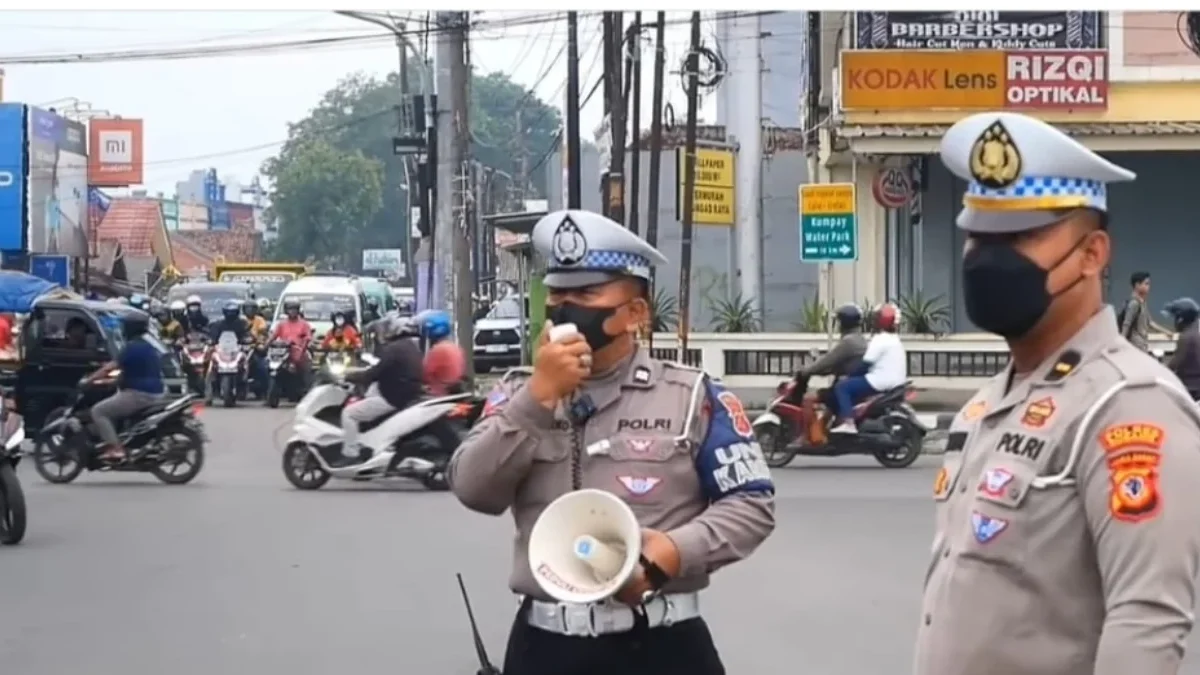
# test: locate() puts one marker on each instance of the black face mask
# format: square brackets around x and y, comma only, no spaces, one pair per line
[1005,292]
[589,321]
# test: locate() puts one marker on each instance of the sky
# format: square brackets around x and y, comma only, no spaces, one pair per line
[231,112]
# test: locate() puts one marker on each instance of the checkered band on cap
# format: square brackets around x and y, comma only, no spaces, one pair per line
[613,261]
[1039,192]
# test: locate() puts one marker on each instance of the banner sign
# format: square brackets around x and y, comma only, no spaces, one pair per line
[12,177]
[883,80]
[383,260]
[714,192]
[57,184]
[116,152]
[978,30]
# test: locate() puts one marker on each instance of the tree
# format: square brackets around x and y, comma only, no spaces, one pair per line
[324,198]
[360,114]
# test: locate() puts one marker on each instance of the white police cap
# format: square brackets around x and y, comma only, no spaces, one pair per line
[584,249]
[1022,173]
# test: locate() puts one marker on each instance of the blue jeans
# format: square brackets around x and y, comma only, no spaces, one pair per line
[849,392]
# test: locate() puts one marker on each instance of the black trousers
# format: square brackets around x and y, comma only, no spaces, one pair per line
[685,648]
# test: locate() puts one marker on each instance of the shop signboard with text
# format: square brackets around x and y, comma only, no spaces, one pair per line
[966,30]
[12,177]
[893,80]
[116,157]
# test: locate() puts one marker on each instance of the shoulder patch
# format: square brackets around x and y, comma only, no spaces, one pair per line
[1132,435]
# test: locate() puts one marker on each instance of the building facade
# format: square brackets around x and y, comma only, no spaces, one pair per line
[1123,83]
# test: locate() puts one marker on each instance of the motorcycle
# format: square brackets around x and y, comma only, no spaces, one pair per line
[888,428]
[194,357]
[227,375]
[159,440]
[334,364]
[398,445]
[285,378]
[12,497]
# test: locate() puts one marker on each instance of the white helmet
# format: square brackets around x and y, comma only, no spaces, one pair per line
[193,300]
[263,303]
[178,306]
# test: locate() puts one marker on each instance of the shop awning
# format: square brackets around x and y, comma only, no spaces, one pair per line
[917,139]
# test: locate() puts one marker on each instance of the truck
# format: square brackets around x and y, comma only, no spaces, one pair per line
[266,279]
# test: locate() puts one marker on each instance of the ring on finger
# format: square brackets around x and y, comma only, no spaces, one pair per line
[585,360]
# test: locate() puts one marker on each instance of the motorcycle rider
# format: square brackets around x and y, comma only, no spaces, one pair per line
[258,325]
[298,333]
[884,367]
[259,328]
[845,356]
[140,385]
[174,327]
[194,320]
[394,383]
[1185,362]
[231,320]
[343,336]
[444,362]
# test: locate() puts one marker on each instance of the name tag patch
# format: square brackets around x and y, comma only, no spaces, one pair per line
[1021,445]
[986,528]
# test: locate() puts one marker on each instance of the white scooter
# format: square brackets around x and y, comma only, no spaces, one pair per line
[398,445]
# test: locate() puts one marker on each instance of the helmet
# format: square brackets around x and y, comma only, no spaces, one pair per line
[178,306]
[849,317]
[1184,311]
[264,304]
[250,307]
[433,324]
[193,300]
[291,305]
[400,327]
[887,318]
[135,325]
[230,310]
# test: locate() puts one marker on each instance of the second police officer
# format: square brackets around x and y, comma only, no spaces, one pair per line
[1067,538]
[597,411]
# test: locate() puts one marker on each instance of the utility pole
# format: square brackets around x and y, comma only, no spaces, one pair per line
[451,243]
[689,187]
[574,187]
[521,184]
[656,115]
[612,182]
[634,83]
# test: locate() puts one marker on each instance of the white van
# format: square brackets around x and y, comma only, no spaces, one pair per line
[320,297]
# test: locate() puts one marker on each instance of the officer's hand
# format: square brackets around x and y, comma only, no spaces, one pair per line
[559,367]
[659,549]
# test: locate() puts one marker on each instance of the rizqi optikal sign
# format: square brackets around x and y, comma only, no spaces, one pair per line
[1056,80]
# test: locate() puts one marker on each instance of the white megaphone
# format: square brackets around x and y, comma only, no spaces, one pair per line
[584,546]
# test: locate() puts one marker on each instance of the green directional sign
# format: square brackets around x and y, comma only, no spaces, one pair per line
[828,223]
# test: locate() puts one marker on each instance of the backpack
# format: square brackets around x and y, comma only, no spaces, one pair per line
[1121,318]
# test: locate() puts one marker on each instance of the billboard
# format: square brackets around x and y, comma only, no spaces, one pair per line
[116,159]
[241,216]
[975,80]
[389,260]
[58,185]
[212,188]
[170,214]
[978,30]
[12,177]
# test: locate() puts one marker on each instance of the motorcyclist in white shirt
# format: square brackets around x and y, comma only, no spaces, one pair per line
[884,367]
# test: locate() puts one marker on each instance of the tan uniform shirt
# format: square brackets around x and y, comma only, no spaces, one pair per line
[677,447]
[1046,563]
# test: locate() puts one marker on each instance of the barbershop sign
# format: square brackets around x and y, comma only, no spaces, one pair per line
[978,30]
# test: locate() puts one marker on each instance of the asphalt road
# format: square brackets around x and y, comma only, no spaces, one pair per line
[239,573]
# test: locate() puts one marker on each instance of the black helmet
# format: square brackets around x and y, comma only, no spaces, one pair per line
[849,318]
[136,324]
[291,305]
[231,310]
[249,307]
[1184,311]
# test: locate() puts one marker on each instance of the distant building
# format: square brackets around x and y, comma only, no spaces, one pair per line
[225,199]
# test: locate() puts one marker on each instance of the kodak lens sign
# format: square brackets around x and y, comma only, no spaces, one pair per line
[1058,79]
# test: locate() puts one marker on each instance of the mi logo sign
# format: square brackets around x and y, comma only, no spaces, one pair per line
[115,152]
[116,146]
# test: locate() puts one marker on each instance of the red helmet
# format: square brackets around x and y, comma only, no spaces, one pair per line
[887,317]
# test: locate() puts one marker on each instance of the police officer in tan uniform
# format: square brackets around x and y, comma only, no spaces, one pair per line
[596,411]
[1068,505]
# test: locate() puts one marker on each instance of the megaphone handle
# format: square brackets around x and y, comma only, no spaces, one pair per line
[654,574]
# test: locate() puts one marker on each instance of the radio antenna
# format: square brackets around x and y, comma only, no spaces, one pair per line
[485,664]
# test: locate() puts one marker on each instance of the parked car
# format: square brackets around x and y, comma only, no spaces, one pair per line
[498,335]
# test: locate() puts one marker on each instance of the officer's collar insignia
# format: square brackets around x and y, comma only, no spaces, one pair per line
[569,245]
[986,528]
[641,375]
[639,486]
[1064,366]
[995,159]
